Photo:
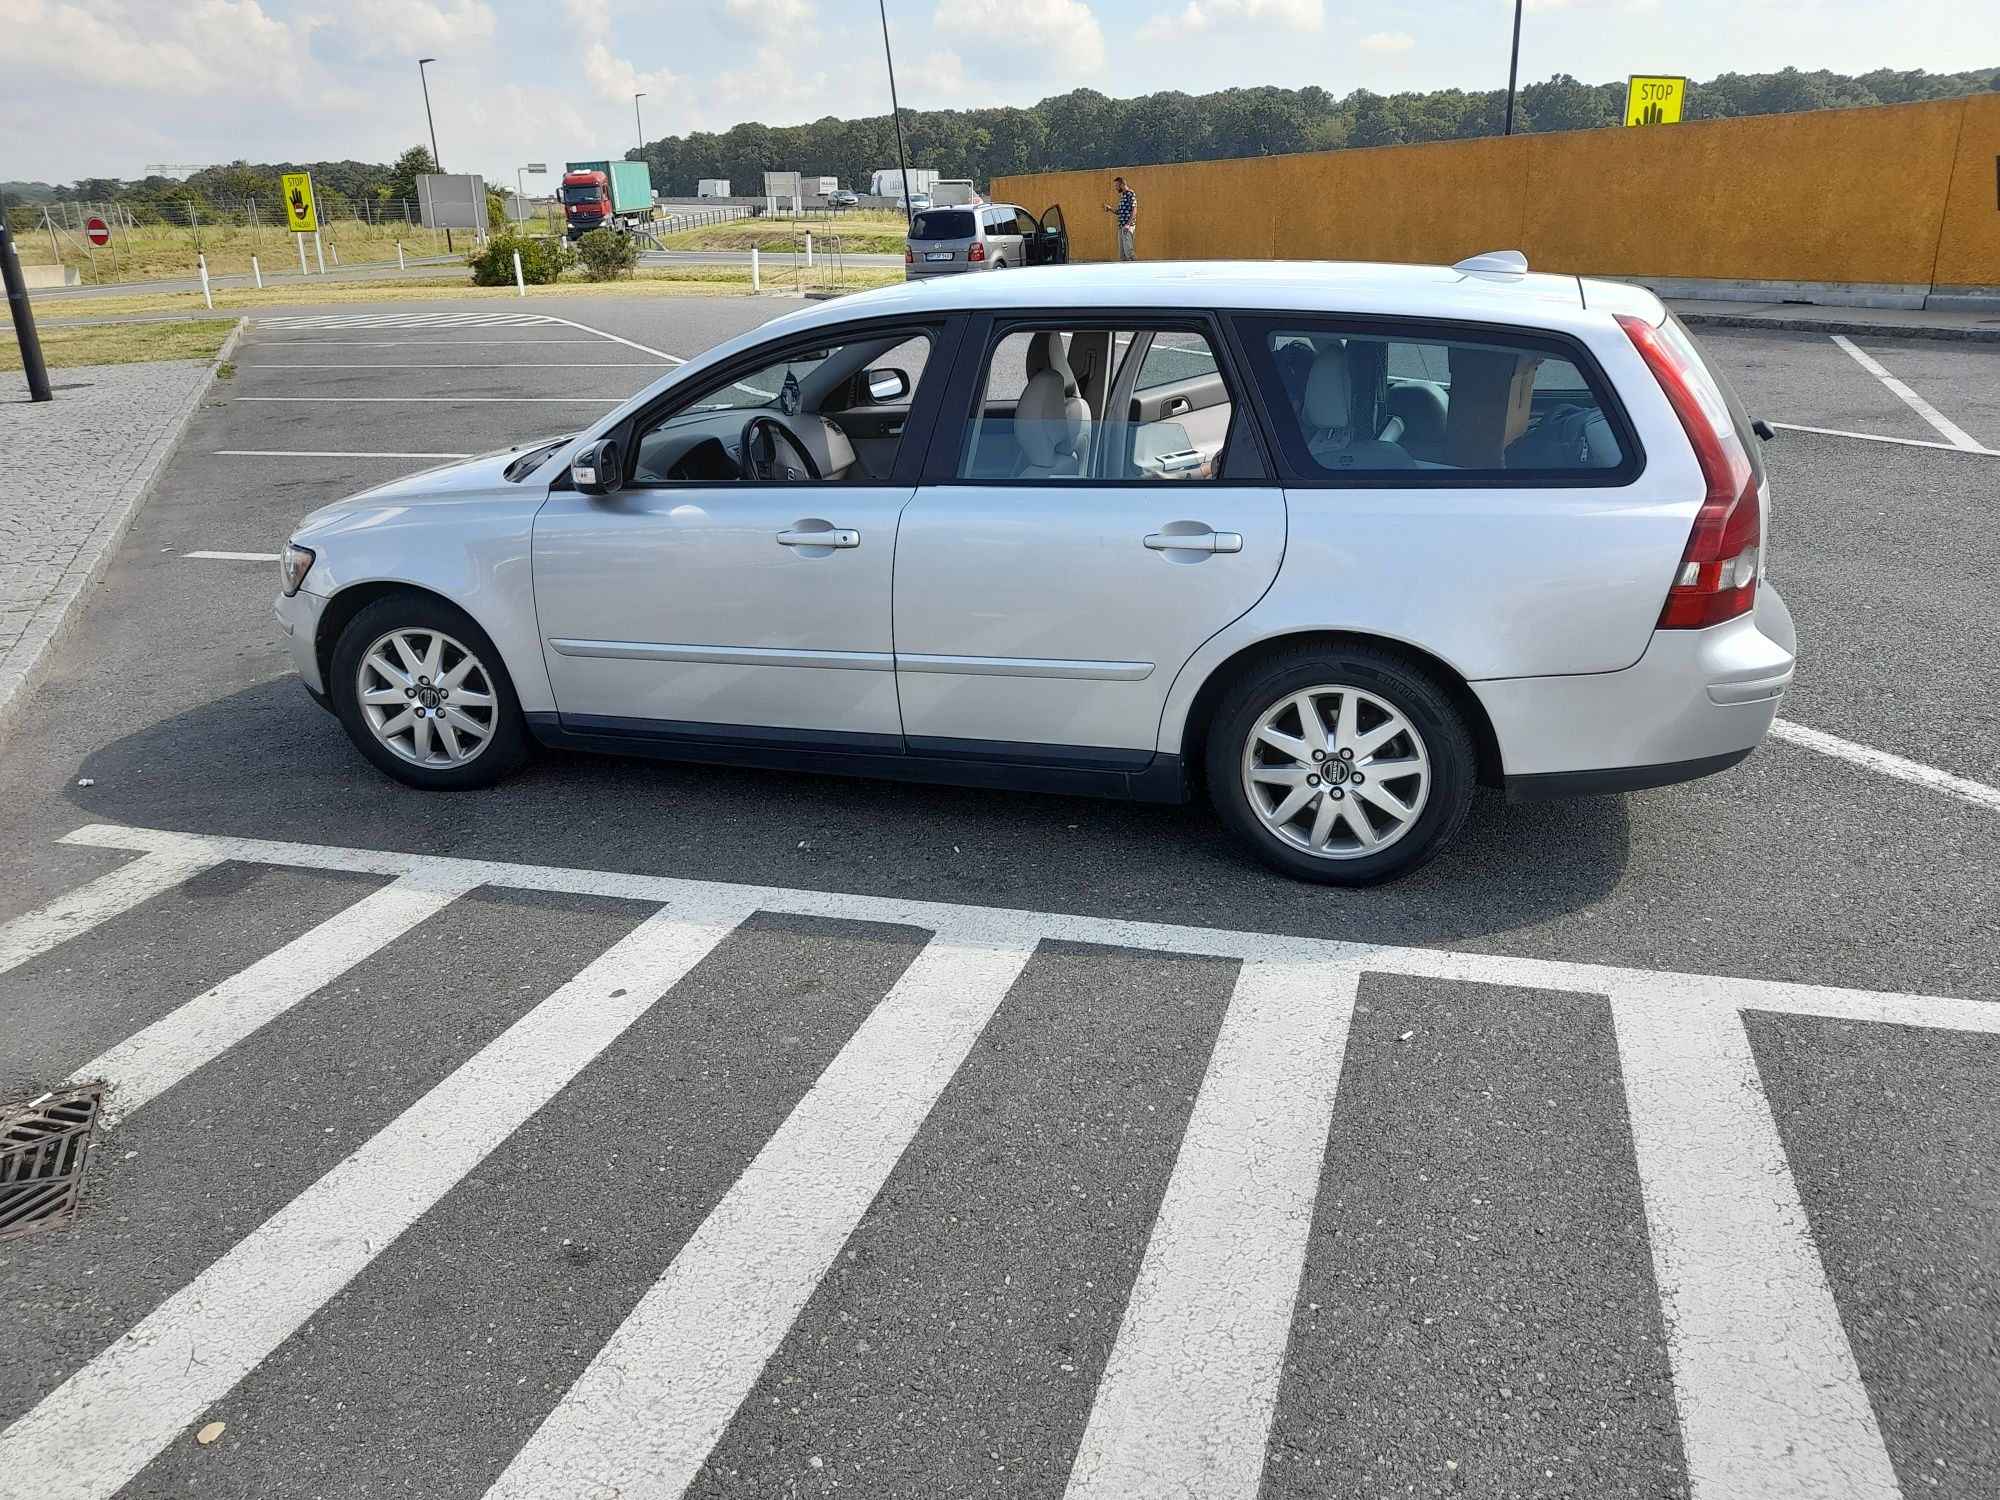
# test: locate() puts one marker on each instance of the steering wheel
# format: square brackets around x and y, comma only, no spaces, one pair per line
[763,433]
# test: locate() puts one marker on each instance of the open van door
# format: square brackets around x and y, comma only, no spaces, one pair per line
[1051,247]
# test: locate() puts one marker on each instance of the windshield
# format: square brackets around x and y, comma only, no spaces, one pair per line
[942,224]
[584,193]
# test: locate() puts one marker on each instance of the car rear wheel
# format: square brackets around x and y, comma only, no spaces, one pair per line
[1345,767]
[422,692]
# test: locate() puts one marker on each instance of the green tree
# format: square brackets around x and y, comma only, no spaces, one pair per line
[412,164]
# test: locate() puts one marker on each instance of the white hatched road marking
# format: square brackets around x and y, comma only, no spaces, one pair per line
[1770,1399]
[233,556]
[1769,1395]
[457,320]
[90,1435]
[147,1064]
[1186,1401]
[642,1419]
[1883,763]
[1957,436]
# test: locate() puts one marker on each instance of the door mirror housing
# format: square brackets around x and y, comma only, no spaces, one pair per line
[886,383]
[598,468]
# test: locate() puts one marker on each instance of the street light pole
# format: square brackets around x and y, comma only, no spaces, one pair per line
[640,124]
[32,364]
[1513,69]
[436,165]
[895,109]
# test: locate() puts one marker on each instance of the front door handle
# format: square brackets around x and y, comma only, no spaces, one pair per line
[1195,541]
[839,536]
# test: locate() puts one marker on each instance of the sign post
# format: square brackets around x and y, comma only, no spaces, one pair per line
[1653,100]
[302,214]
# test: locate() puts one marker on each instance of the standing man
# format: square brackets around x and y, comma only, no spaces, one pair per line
[1127,209]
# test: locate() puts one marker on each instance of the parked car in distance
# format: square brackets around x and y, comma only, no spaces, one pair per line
[915,203]
[985,237]
[1335,542]
[843,198]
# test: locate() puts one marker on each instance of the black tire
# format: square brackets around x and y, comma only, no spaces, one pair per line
[1399,681]
[506,747]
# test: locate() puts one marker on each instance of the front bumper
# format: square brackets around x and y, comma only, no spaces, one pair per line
[1697,702]
[298,621]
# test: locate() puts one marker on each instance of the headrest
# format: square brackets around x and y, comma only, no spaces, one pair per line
[1045,352]
[1045,420]
[1329,400]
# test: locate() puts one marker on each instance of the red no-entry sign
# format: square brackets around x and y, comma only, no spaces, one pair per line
[99,232]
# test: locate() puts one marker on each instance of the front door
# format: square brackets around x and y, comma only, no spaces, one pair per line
[1051,245]
[737,588]
[1065,560]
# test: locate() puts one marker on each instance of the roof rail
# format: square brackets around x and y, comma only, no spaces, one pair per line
[1500,265]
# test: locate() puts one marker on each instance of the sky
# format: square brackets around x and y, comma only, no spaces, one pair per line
[110,87]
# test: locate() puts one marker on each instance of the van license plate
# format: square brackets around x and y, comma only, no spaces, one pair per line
[937,255]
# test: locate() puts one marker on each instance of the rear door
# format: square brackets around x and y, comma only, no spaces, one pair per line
[1041,617]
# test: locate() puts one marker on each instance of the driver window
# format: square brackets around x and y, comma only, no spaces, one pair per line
[825,413]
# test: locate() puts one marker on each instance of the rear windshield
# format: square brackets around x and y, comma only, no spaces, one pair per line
[942,224]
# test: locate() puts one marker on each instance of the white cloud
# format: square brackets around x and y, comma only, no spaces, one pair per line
[1383,42]
[769,17]
[376,28]
[1283,15]
[619,78]
[1040,38]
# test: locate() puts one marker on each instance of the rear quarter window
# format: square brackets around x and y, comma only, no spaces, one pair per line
[942,224]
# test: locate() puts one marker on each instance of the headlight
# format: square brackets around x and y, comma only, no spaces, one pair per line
[297,563]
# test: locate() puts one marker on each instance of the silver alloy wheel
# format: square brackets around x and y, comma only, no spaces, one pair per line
[427,698]
[1336,772]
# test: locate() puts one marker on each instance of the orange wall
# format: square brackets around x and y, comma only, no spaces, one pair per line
[1901,194]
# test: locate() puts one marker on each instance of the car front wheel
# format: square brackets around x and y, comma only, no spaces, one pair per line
[422,692]
[1345,767]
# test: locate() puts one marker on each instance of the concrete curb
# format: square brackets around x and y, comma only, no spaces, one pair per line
[95,557]
[1849,326]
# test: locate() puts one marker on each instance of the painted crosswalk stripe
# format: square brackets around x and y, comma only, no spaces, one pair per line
[642,1419]
[90,1435]
[1770,1399]
[147,1064]
[112,894]
[1186,1401]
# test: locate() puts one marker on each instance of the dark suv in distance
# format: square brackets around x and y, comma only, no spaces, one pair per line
[983,237]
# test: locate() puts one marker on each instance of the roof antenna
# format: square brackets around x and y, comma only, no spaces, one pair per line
[1498,265]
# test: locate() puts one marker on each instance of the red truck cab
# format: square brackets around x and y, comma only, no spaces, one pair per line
[586,198]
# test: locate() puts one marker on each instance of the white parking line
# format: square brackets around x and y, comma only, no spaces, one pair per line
[581,364]
[619,338]
[443,400]
[1876,437]
[1186,1400]
[641,1419]
[322,453]
[112,894]
[89,1436]
[233,556]
[1883,763]
[1771,1400]
[1957,435]
[406,343]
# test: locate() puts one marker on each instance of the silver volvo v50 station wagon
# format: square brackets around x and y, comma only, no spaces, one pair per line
[1336,542]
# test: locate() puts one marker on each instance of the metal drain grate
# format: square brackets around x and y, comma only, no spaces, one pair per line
[44,1146]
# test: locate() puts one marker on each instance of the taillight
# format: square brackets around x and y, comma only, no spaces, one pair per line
[1717,578]
[909,256]
[977,252]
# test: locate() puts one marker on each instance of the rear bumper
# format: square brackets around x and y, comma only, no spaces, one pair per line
[1697,702]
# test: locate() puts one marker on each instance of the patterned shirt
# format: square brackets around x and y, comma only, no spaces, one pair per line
[1128,205]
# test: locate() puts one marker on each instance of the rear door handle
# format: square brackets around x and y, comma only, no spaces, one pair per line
[840,536]
[1198,541]
[1178,407]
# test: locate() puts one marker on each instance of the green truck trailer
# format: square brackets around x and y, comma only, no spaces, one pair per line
[605,194]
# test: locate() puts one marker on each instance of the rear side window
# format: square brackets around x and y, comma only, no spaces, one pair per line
[1364,405]
[943,224]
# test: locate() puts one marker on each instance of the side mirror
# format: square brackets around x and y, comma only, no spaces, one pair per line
[887,384]
[598,468]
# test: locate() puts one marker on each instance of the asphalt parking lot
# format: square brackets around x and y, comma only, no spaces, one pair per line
[994,1143]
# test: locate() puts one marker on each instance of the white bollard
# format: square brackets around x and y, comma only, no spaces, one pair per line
[319,251]
[336,253]
[301,239]
[756,283]
[520,285]
[257,271]
[201,263]
[399,256]
[809,249]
